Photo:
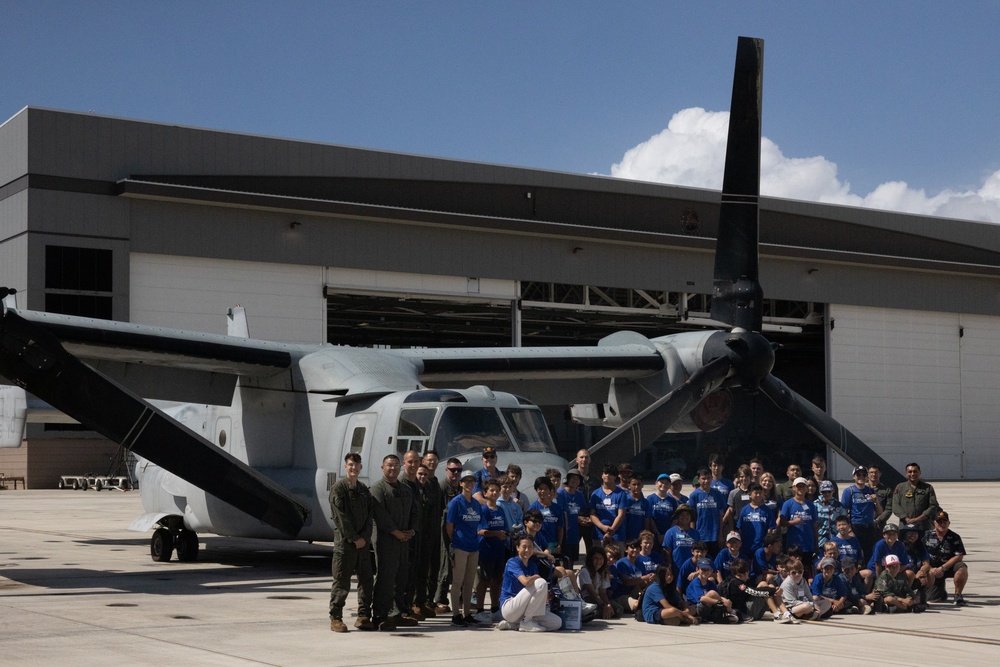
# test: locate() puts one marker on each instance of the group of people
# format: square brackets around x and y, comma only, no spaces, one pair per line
[731,551]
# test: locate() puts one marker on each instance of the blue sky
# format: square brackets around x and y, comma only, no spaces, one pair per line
[856,94]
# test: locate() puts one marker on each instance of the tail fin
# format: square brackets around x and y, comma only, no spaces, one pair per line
[736,295]
[237,322]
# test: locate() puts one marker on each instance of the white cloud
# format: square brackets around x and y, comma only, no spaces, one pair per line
[691,151]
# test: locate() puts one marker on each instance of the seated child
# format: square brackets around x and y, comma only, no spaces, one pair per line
[829,586]
[894,588]
[764,566]
[688,570]
[797,597]
[734,543]
[703,595]
[750,603]
[858,599]
[595,584]
[663,604]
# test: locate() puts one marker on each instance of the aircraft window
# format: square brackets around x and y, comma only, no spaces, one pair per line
[358,439]
[414,428]
[468,430]
[530,430]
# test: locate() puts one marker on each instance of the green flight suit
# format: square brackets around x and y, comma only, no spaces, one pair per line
[395,509]
[353,513]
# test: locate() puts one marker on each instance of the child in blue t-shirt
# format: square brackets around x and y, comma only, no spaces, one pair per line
[679,538]
[725,558]
[662,604]
[703,595]
[638,516]
[492,548]
[688,570]
[574,504]
[828,586]
[709,505]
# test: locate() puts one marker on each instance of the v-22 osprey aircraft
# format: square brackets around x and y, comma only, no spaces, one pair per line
[242,437]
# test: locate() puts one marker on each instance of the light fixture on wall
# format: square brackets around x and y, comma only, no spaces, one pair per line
[294,224]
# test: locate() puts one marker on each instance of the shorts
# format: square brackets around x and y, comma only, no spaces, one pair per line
[491,571]
[950,574]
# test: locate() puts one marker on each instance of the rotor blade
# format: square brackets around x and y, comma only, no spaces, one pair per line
[736,295]
[640,431]
[35,360]
[828,429]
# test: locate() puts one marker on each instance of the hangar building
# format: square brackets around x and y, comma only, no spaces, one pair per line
[889,321]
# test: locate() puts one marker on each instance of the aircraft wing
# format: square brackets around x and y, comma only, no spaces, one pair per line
[35,354]
[164,364]
[548,375]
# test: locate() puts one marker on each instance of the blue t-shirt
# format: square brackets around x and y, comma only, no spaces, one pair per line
[624,568]
[635,517]
[511,584]
[649,563]
[761,562]
[651,606]
[482,476]
[572,504]
[724,563]
[858,506]
[492,549]
[723,486]
[696,590]
[684,572]
[754,523]
[553,518]
[678,542]
[881,550]
[849,547]
[801,533]
[709,507]
[662,510]
[834,589]
[605,507]
[465,517]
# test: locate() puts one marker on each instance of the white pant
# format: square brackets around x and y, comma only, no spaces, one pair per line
[529,605]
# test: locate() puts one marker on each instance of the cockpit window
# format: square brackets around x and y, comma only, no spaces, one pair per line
[530,430]
[414,429]
[468,430]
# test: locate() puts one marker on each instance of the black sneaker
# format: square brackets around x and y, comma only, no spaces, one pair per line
[960,601]
[459,620]
[471,620]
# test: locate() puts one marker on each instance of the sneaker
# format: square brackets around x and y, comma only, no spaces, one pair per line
[386,626]
[733,618]
[403,621]
[960,601]
[816,615]
[442,608]
[472,620]
[792,618]
[853,610]
[364,624]
[459,620]
[589,608]
[484,617]
[782,618]
[868,610]
[337,625]
[507,625]
[527,625]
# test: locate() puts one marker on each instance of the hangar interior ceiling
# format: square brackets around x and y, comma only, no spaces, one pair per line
[551,314]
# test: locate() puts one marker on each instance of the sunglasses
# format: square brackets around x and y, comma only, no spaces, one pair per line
[453,469]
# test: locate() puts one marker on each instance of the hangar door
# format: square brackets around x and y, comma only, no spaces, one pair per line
[918,386]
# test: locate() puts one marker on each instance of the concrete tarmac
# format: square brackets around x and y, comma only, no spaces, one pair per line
[77,588]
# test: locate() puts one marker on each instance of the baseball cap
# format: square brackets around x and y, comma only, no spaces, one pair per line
[890,527]
[705,564]
[663,476]
[941,516]
[676,478]
[860,470]
[825,485]
[891,559]
[799,480]
[827,562]
[734,536]
[848,561]
[468,473]
[489,450]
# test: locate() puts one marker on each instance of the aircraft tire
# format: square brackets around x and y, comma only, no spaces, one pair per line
[76,484]
[98,486]
[187,546]
[161,545]
[60,485]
